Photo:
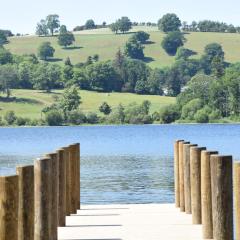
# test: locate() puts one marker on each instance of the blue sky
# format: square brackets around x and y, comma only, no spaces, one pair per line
[22,15]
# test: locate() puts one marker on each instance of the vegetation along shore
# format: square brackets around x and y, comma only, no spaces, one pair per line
[120,73]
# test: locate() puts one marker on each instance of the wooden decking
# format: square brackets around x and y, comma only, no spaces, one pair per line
[130,222]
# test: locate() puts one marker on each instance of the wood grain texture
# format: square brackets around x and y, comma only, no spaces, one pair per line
[26,203]
[222,196]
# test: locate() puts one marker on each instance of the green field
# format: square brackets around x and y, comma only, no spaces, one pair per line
[29,103]
[106,44]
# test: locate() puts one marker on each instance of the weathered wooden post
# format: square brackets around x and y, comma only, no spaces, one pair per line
[72,160]
[181,176]
[176,173]
[55,194]
[187,181]
[77,146]
[68,181]
[206,194]
[195,171]
[26,203]
[222,196]
[237,198]
[9,208]
[61,187]
[42,199]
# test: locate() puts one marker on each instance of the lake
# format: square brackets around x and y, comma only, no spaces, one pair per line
[119,164]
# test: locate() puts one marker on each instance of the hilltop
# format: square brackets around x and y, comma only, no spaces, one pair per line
[106,44]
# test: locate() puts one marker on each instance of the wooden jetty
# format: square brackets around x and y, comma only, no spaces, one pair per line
[42,202]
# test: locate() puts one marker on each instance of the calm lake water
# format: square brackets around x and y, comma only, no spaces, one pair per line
[119,164]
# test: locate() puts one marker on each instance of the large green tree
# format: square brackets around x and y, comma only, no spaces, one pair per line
[52,22]
[45,51]
[169,23]
[172,41]
[8,79]
[42,28]
[90,24]
[70,100]
[134,49]
[65,38]
[5,56]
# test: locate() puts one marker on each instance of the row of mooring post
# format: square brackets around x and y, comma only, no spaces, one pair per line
[207,185]
[36,201]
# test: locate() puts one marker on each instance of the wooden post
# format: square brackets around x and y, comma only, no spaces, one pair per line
[187,181]
[222,197]
[61,187]
[77,146]
[195,171]
[206,194]
[176,173]
[26,203]
[68,180]
[42,198]
[72,160]
[55,194]
[237,198]
[181,176]
[9,208]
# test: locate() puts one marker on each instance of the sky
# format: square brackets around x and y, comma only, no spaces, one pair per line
[21,16]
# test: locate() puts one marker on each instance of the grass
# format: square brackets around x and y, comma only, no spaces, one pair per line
[106,44]
[29,103]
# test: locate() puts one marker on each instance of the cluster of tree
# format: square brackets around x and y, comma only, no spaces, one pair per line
[123,74]
[49,25]
[90,24]
[209,26]
[122,25]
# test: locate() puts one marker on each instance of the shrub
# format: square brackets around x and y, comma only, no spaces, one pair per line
[214,115]
[54,118]
[169,114]
[10,117]
[117,116]
[92,118]
[105,108]
[141,36]
[76,117]
[202,115]
[21,121]
[189,110]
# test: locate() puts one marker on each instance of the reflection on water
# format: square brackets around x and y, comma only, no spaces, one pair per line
[119,164]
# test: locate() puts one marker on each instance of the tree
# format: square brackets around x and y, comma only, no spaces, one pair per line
[65,38]
[10,117]
[52,22]
[114,27]
[169,23]
[46,76]
[90,24]
[5,56]
[124,24]
[42,28]
[96,57]
[105,108]
[213,50]
[70,100]
[134,49]
[184,53]
[103,77]
[45,51]
[68,62]
[3,39]
[172,42]
[8,79]
[141,36]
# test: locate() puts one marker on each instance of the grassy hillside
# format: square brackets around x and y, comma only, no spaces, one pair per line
[105,43]
[29,103]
